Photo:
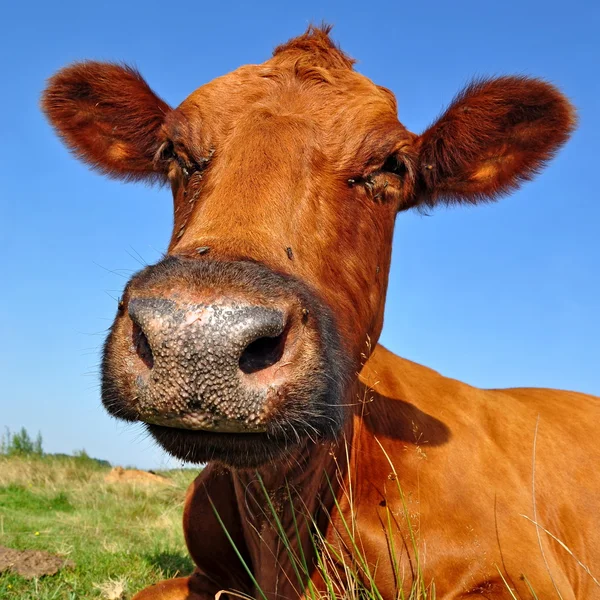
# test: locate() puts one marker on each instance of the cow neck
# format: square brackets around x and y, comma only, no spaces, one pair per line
[283,504]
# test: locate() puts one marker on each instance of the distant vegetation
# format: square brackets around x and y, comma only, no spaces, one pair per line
[121,536]
[21,444]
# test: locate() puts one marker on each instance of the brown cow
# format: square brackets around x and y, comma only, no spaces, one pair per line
[241,347]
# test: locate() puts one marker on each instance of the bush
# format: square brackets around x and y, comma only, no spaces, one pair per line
[20,443]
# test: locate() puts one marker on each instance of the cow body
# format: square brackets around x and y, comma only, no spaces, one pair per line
[477,468]
[335,467]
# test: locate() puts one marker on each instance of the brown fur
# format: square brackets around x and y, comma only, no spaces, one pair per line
[301,165]
[315,49]
[87,102]
[496,134]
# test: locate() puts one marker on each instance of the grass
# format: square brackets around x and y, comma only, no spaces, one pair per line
[344,568]
[346,573]
[121,537]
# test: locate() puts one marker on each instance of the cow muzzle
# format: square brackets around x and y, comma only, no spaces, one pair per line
[214,367]
[226,361]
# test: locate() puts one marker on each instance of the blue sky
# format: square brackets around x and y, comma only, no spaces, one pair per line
[498,295]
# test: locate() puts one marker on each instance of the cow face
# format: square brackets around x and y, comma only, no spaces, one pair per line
[287,178]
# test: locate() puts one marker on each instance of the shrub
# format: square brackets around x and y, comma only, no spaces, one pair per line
[20,443]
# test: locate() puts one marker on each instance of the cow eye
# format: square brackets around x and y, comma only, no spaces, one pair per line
[393,164]
[187,165]
[167,156]
[166,152]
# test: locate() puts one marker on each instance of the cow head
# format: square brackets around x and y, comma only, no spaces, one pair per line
[287,178]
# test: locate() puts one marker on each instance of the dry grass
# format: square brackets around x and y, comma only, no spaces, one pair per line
[345,570]
[121,536]
[112,589]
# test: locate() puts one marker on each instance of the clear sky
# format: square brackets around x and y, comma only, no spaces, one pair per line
[497,295]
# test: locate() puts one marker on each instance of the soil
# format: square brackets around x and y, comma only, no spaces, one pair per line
[31,563]
[121,475]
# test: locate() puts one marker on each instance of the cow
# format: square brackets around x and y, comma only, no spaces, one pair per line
[334,468]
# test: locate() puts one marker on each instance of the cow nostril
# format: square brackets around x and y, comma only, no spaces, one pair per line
[141,345]
[262,353]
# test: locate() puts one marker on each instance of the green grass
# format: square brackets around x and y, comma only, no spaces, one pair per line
[127,535]
[118,535]
[343,568]
[123,537]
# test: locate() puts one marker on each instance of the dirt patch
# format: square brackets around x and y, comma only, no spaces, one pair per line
[31,563]
[121,475]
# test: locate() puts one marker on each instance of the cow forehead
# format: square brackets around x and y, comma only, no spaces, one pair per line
[333,100]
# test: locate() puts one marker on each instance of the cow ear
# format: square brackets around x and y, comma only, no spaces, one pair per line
[496,134]
[109,117]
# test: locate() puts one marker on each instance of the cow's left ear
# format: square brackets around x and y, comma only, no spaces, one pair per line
[109,117]
[496,134]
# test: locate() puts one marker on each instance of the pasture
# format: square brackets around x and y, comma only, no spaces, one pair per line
[119,536]
[340,469]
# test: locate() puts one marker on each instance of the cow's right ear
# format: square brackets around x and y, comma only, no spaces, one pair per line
[109,117]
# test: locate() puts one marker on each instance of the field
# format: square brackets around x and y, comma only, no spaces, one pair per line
[119,536]
[122,536]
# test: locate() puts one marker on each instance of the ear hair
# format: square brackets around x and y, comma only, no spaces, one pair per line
[496,134]
[108,116]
